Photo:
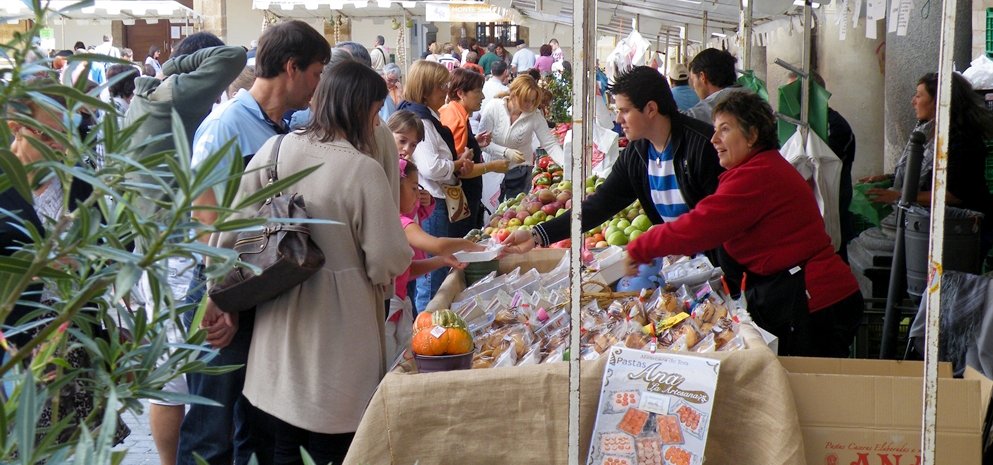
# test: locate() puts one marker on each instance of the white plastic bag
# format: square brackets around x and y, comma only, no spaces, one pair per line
[818,164]
[399,328]
[980,73]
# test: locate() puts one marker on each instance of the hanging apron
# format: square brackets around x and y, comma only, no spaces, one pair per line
[777,302]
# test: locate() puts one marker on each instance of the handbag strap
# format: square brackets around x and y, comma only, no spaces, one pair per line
[272,170]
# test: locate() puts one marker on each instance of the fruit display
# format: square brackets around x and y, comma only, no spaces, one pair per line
[624,227]
[441,332]
[545,173]
[527,210]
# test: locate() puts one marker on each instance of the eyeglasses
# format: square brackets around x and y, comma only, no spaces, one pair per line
[41,136]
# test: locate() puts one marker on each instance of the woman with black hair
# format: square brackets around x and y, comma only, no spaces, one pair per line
[154,52]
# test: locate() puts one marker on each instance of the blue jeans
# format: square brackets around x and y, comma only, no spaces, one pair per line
[218,434]
[427,285]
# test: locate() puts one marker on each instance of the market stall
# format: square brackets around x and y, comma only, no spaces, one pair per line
[517,414]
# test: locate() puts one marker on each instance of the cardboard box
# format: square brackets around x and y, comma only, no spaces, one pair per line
[869,412]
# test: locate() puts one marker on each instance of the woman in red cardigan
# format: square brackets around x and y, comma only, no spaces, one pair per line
[771,236]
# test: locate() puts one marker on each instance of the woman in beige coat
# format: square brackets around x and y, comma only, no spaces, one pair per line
[317,353]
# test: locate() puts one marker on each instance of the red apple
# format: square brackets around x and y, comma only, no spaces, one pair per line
[550,209]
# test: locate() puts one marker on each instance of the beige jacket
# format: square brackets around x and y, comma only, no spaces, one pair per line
[317,352]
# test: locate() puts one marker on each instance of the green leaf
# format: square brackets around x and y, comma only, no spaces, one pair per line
[128,275]
[14,173]
[26,418]
[242,224]
[307,459]
[18,266]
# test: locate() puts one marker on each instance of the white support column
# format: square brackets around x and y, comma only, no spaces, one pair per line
[937,233]
[583,79]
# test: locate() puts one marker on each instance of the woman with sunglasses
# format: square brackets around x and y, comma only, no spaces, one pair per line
[44,129]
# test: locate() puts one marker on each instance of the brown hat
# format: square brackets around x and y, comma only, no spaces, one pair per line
[679,72]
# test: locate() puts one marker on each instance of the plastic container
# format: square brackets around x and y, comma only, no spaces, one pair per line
[961,245]
[437,363]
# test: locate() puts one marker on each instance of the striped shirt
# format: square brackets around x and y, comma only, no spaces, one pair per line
[662,181]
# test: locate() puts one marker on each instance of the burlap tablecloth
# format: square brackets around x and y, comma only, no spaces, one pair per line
[520,415]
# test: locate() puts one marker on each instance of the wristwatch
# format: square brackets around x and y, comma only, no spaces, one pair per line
[538,237]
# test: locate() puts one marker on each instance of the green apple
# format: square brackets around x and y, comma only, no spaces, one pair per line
[514,222]
[634,234]
[611,230]
[530,221]
[617,238]
[630,229]
[596,229]
[539,216]
[560,212]
[590,190]
[623,223]
[642,222]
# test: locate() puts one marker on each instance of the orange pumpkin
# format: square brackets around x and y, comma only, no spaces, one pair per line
[441,333]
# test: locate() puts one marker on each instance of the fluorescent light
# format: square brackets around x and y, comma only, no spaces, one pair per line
[719,34]
[407,4]
[383,3]
[361,3]
[812,4]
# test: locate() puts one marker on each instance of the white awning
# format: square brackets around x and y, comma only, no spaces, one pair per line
[102,9]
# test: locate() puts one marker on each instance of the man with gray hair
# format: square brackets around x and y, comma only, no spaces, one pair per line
[378,54]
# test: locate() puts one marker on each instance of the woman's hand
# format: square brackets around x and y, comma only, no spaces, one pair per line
[498,166]
[484,138]
[883,195]
[424,197]
[463,167]
[630,266]
[519,241]
[220,325]
[515,156]
[453,262]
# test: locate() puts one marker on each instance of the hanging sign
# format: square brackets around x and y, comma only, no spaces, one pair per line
[447,13]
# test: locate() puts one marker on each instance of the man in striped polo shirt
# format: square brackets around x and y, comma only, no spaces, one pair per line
[669,164]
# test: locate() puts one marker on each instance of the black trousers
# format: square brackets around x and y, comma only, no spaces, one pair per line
[278,443]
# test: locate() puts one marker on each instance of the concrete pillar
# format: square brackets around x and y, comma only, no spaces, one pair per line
[214,16]
[910,57]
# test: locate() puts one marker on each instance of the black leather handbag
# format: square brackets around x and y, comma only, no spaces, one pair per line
[284,251]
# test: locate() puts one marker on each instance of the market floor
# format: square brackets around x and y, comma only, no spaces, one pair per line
[141,448]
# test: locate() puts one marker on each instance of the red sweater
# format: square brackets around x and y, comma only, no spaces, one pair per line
[766,217]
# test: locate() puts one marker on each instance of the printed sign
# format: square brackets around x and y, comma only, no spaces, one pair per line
[654,409]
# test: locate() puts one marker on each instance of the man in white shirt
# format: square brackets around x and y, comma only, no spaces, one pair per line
[523,59]
[107,48]
[378,54]
[497,83]
[448,57]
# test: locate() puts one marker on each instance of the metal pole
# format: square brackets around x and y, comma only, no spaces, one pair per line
[937,236]
[898,272]
[583,79]
[805,82]
[746,34]
[683,52]
[703,31]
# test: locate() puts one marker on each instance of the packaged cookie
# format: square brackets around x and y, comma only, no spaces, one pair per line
[676,455]
[649,451]
[689,418]
[620,401]
[669,429]
[616,443]
[633,422]
[616,460]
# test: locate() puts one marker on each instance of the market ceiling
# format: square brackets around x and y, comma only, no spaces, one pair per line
[656,19]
